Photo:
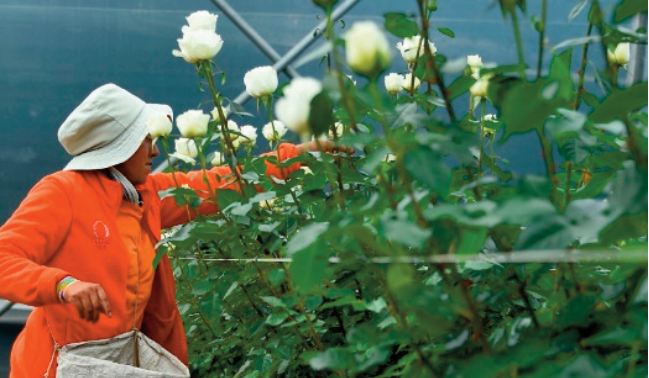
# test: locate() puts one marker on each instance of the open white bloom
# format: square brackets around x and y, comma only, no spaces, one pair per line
[217,159]
[367,50]
[408,48]
[159,125]
[407,82]
[274,131]
[261,81]
[249,134]
[202,20]
[620,55]
[480,87]
[490,117]
[186,150]
[198,44]
[339,128]
[293,109]
[393,83]
[475,64]
[193,123]
[215,113]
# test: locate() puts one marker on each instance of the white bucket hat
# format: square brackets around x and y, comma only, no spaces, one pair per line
[106,128]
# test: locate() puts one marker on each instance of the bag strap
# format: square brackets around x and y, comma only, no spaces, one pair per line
[57,346]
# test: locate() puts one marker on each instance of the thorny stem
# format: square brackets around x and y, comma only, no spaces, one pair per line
[519,44]
[566,193]
[173,171]
[582,69]
[550,167]
[224,125]
[598,21]
[526,299]
[337,193]
[431,63]
[483,112]
[475,315]
[544,16]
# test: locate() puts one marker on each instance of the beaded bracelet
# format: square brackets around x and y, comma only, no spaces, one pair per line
[63,284]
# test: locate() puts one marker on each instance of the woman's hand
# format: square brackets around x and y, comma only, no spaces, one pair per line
[325,146]
[89,298]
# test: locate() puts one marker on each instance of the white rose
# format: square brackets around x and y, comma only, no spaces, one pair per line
[215,113]
[339,128]
[249,134]
[293,109]
[393,83]
[198,44]
[260,81]
[202,20]
[408,48]
[193,123]
[407,82]
[480,87]
[159,125]
[274,135]
[186,150]
[620,55]
[217,159]
[367,50]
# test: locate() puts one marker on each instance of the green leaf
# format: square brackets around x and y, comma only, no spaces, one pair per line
[308,268]
[460,86]
[400,25]
[560,72]
[628,8]
[620,103]
[405,232]
[305,237]
[447,32]
[333,358]
[424,165]
[576,311]
[400,276]
[616,336]
[321,116]
[527,105]
[471,240]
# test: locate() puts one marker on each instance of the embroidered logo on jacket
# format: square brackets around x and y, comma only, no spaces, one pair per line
[101,233]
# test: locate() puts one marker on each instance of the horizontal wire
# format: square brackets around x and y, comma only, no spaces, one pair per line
[519,257]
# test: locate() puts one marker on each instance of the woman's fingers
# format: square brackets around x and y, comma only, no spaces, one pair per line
[104,301]
[90,299]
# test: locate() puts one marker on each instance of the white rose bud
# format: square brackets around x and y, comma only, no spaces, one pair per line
[235,138]
[159,125]
[475,64]
[186,150]
[367,50]
[249,134]
[407,82]
[218,159]
[198,44]
[339,128]
[261,81]
[620,55]
[276,134]
[215,113]
[393,83]
[293,109]
[202,20]
[193,123]
[480,87]
[408,48]
[490,117]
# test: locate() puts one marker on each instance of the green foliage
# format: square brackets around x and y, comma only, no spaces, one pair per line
[420,186]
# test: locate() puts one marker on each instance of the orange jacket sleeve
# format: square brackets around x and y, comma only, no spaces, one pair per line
[29,239]
[172,214]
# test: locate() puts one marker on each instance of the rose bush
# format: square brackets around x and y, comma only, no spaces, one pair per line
[424,254]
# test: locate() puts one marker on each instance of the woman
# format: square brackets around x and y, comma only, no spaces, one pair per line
[80,246]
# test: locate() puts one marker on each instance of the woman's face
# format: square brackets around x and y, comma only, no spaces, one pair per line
[137,167]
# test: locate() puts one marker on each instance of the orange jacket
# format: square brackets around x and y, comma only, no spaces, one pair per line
[66,226]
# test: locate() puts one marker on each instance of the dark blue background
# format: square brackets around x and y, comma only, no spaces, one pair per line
[53,53]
